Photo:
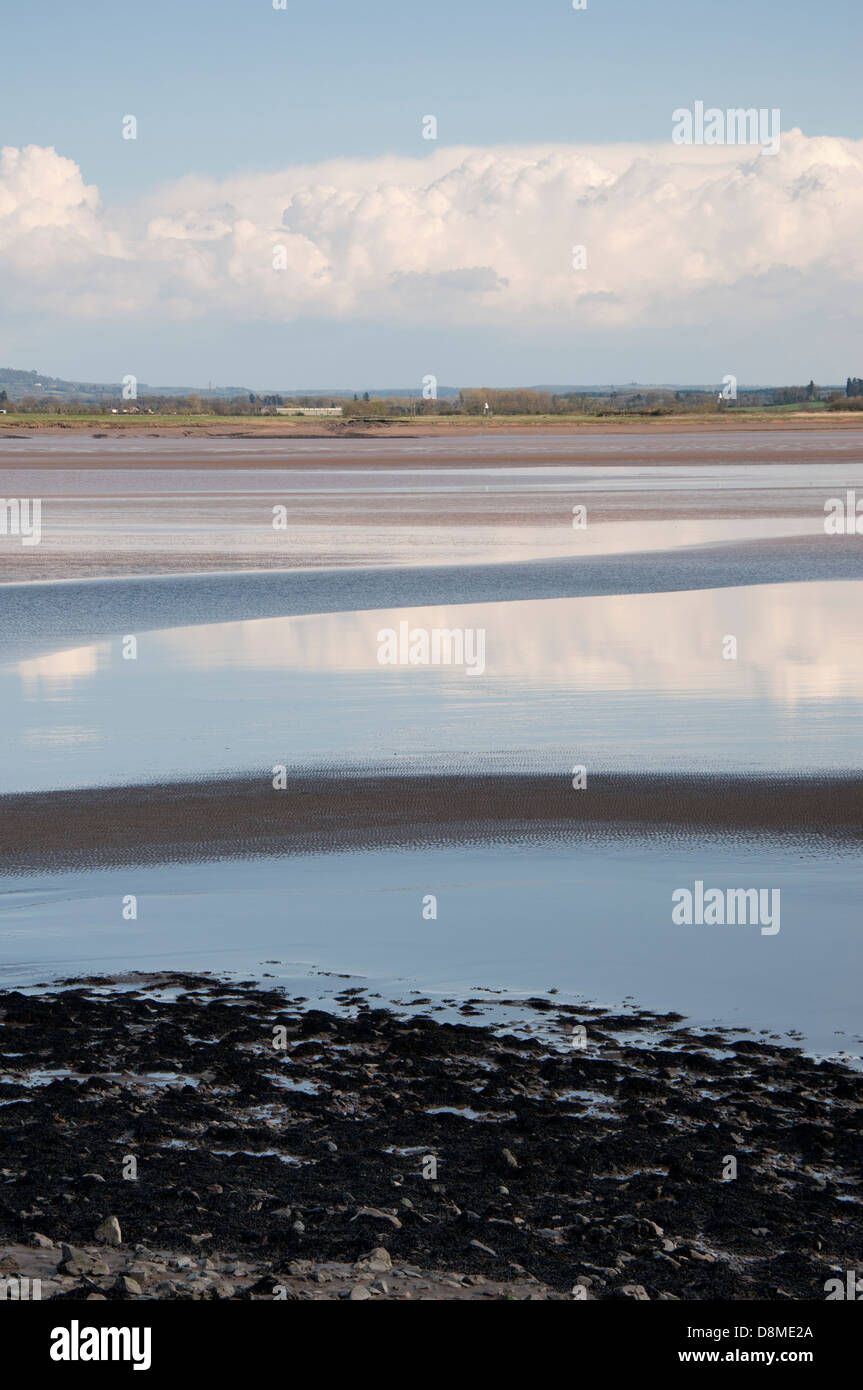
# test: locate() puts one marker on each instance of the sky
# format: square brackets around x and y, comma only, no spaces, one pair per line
[302,128]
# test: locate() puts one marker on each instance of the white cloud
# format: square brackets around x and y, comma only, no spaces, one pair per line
[464,235]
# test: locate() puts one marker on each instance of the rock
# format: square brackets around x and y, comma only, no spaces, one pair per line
[109,1232]
[41,1241]
[485,1248]
[637,1291]
[379,1261]
[378,1215]
[95,1298]
[510,1158]
[77,1262]
[128,1286]
[358,1292]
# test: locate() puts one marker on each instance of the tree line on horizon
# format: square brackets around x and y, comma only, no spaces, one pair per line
[469,401]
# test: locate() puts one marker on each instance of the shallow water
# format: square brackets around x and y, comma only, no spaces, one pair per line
[629,682]
[590,921]
[620,680]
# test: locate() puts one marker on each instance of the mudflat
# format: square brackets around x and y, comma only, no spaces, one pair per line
[324,810]
[249,1147]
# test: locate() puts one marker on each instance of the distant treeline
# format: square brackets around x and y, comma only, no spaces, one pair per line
[475,401]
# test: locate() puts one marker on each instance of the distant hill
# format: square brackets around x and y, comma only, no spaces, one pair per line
[17,384]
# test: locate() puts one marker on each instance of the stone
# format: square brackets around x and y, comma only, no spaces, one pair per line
[378,1215]
[77,1262]
[637,1291]
[128,1286]
[109,1232]
[358,1292]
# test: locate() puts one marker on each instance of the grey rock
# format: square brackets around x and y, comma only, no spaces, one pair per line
[77,1262]
[379,1261]
[109,1231]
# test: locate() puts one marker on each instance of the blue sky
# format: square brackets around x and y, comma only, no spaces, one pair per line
[222,88]
[223,85]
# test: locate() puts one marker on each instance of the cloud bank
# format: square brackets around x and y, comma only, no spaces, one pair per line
[670,233]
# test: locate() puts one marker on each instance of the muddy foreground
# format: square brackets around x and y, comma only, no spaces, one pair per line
[159,1141]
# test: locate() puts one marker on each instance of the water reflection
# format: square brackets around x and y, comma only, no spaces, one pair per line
[630,681]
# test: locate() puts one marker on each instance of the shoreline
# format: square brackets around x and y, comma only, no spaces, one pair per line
[321,811]
[395,446]
[282,1151]
[428,427]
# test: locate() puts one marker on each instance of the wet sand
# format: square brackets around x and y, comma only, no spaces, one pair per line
[326,810]
[717,440]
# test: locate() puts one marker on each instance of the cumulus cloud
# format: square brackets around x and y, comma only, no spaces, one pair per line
[463,235]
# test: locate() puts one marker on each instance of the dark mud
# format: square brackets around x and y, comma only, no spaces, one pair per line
[324,811]
[600,1165]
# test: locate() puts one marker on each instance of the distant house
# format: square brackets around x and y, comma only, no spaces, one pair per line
[308,409]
